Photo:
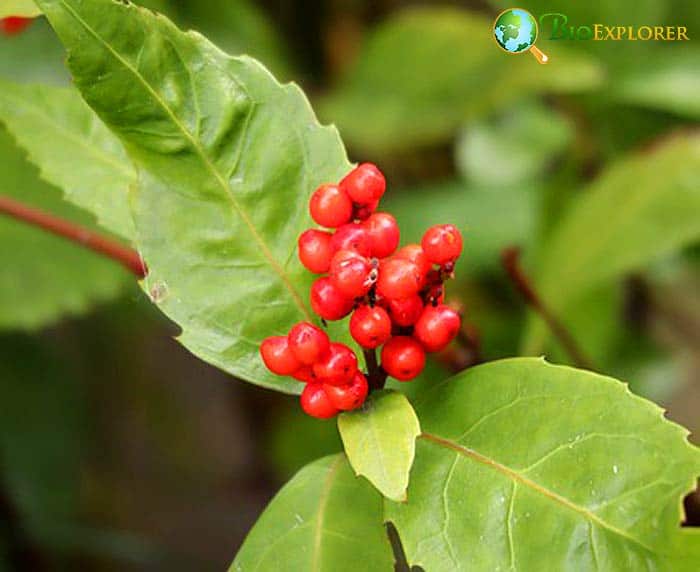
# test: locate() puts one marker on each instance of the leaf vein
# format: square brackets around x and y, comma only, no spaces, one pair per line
[547,493]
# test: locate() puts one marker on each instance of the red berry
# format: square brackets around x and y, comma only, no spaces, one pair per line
[403,358]
[337,367]
[352,274]
[364,184]
[442,243]
[14,25]
[414,253]
[350,396]
[370,327]
[398,278]
[363,212]
[278,356]
[308,342]
[437,327]
[383,233]
[315,250]
[330,206]
[352,236]
[328,302]
[405,311]
[316,403]
[305,374]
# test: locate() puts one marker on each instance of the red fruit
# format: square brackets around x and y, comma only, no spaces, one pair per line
[328,302]
[316,403]
[383,233]
[315,250]
[308,342]
[370,327]
[398,278]
[364,184]
[352,274]
[437,327]
[337,367]
[278,356]
[352,236]
[403,358]
[414,253]
[442,243]
[405,311]
[305,374]
[330,207]
[350,396]
[14,25]
[363,212]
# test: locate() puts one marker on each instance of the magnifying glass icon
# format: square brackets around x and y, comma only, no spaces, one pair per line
[515,31]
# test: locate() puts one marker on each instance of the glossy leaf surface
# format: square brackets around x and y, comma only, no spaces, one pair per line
[523,462]
[227,157]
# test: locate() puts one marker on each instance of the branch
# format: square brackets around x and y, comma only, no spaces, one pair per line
[510,258]
[85,237]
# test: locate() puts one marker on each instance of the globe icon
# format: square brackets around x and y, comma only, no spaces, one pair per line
[515,30]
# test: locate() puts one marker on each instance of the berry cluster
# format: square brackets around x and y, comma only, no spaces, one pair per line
[395,296]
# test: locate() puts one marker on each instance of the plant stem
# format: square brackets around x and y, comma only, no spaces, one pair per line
[85,237]
[376,376]
[510,257]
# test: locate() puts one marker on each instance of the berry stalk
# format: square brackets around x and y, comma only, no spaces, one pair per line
[376,376]
[85,237]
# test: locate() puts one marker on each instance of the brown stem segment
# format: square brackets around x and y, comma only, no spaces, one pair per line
[85,237]
[376,376]
[510,258]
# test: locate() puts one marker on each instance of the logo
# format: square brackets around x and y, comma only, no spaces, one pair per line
[515,31]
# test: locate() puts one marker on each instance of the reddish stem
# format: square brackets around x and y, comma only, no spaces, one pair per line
[510,257]
[85,237]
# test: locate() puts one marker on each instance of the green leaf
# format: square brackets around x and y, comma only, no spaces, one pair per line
[638,210]
[324,519]
[46,277]
[523,462]
[380,441]
[73,150]
[227,159]
[24,8]
[425,71]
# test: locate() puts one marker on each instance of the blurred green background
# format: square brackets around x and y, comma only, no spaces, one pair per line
[120,451]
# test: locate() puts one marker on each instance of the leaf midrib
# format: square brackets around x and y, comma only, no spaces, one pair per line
[322,501]
[520,479]
[205,161]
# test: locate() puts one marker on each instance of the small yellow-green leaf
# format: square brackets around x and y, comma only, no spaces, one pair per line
[380,441]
